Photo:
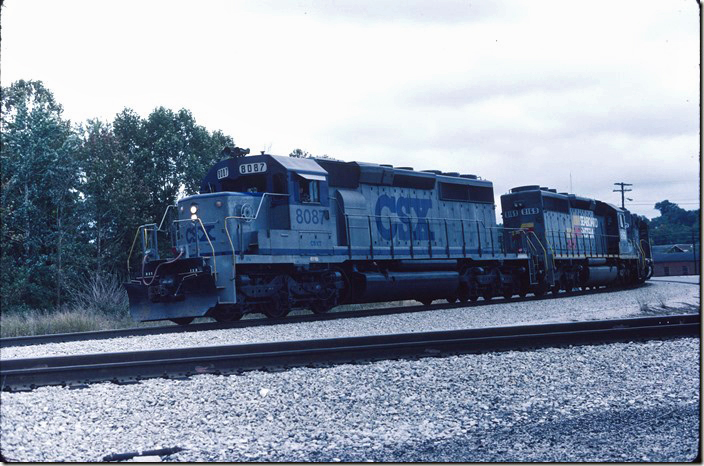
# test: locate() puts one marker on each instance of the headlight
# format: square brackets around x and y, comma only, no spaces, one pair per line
[194,208]
[194,217]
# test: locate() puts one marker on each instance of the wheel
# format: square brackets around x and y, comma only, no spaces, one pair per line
[473,298]
[539,291]
[507,294]
[321,306]
[272,311]
[182,320]
[452,300]
[487,295]
[226,313]
[463,295]
[425,301]
[228,317]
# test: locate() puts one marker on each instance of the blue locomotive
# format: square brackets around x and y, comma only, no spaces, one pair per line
[269,234]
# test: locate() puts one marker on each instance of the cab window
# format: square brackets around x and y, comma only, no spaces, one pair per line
[309,190]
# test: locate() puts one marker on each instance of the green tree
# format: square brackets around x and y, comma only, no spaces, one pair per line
[110,198]
[72,199]
[39,189]
[299,154]
[675,224]
[137,167]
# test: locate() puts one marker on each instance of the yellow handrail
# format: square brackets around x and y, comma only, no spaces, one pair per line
[136,234]
[554,266]
[545,253]
[642,253]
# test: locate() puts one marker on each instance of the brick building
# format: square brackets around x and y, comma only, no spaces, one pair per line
[676,259]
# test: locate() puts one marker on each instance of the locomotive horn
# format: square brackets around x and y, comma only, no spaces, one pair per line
[234,152]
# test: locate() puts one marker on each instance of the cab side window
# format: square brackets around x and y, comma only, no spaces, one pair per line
[309,191]
[280,184]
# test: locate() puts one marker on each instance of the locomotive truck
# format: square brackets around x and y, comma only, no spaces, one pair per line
[271,233]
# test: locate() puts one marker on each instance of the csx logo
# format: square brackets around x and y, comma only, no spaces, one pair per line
[192,233]
[405,209]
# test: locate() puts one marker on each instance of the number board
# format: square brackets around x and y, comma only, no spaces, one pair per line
[310,216]
[256,167]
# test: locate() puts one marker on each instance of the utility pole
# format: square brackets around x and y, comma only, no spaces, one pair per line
[623,192]
[694,252]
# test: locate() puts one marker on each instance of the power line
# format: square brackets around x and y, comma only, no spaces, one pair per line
[650,203]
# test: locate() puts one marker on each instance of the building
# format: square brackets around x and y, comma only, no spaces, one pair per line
[676,259]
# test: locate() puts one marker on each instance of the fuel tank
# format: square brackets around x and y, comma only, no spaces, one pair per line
[599,275]
[395,286]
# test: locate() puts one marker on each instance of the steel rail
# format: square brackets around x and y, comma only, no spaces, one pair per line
[257,322]
[128,367]
[657,280]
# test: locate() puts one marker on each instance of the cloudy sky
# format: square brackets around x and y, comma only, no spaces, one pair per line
[580,94]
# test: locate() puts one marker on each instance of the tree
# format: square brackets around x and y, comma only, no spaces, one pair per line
[675,224]
[300,154]
[72,198]
[39,181]
[152,161]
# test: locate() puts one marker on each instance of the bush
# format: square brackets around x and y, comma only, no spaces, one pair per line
[102,304]
[103,295]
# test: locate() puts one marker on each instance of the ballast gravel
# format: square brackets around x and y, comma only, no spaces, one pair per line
[619,402]
[654,297]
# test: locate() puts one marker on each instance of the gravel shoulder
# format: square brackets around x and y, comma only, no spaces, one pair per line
[658,297]
[618,402]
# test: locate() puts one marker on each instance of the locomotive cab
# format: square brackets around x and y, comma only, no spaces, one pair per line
[247,213]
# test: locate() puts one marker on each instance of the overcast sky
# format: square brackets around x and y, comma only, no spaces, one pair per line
[518,92]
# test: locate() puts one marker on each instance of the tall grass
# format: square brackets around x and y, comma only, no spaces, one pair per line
[101,304]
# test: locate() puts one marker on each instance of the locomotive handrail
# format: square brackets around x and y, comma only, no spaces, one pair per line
[588,238]
[642,253]
[136,234]
[256,215]
[164,216]
[215,268]
[545,253]
[552,251]
[232,247]
[426,220]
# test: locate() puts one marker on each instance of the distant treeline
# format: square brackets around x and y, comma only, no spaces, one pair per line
[675,224]
[73,195]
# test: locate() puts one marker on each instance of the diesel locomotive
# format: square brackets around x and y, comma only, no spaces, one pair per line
[269,234]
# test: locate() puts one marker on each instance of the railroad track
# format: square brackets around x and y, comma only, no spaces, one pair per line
[140,331]
[130,367]
[657,280]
